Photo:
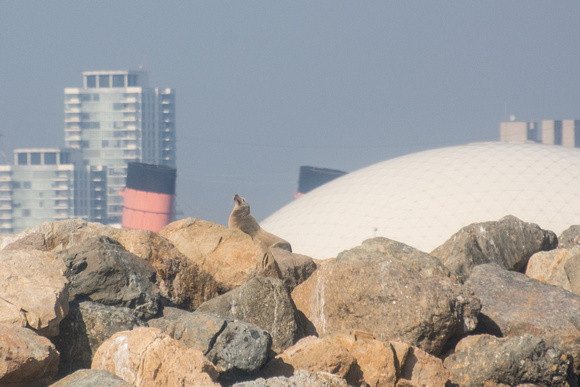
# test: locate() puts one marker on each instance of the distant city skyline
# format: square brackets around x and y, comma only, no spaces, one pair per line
[264,88]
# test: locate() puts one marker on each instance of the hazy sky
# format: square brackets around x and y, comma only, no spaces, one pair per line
[264,87]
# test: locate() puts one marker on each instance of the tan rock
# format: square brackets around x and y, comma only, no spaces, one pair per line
[149,357]
[387,299]
[53,236]
[26,357]
[317,355]
[180,280]
[33,290]
[229,255]
[423,369]
[549,266]
[375,358]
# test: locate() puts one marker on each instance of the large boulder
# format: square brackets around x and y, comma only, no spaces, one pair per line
[180,280]
[389,299]
[262,301]
[25,357]
[559,267]
[511,360]
[230,256]
[514,304]
[294,268]
[101,270]
[238,349]
[569,237]
[149,357]
[299,378]
[92,378]
[53,236]
[508,242]
[33,290]
[381,248]
[316,355]
[86,327]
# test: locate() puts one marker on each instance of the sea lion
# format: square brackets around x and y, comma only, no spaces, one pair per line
[242,219]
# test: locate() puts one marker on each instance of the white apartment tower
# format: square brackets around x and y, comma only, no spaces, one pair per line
[114,119]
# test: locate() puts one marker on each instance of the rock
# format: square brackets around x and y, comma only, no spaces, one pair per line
[180,280]
[294,268]
[376,359]
[86,327]
[383,248]
[569,237]
[33,290]
[240,350]
[54,236]
[26,358]
[511,360]
[316,355]
[302,378]
[514,304]
[552,267]
[419,368]
[149,357]
[237,348]
[388,300]
[101,270]
[262,301]
[230,256]
[508,242]
[92,378]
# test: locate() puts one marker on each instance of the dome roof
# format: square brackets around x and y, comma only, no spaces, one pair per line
[422,199]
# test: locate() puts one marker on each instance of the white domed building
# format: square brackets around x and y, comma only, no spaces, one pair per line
[422,199]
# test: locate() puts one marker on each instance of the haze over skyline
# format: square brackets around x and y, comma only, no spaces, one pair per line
[265,87]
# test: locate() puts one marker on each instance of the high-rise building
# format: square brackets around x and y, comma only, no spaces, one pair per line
[551,132]
[116,118]
[43,184]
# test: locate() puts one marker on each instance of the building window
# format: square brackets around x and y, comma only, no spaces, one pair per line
[35,158]
[26,185]
[131,80]
[50,158]
[22,158]
[25,212]
[91,81]
[104,81]
[118,81]
[64,158]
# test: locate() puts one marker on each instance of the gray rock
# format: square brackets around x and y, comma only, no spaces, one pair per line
[101,270]
[300,378]
[236,348]
[294,268]
[262,301]
[572,270]
[569,237]
[383,248]
[514,304]
[512,360]
[508,242]
[91,378]
[240,350]
[388,300]
[86,327]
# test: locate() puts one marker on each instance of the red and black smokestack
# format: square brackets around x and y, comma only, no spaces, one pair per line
[148,196]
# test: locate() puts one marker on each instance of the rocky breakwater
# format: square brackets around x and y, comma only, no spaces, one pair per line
[198,304]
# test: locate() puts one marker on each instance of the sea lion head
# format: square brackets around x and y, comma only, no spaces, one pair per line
[241,205]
